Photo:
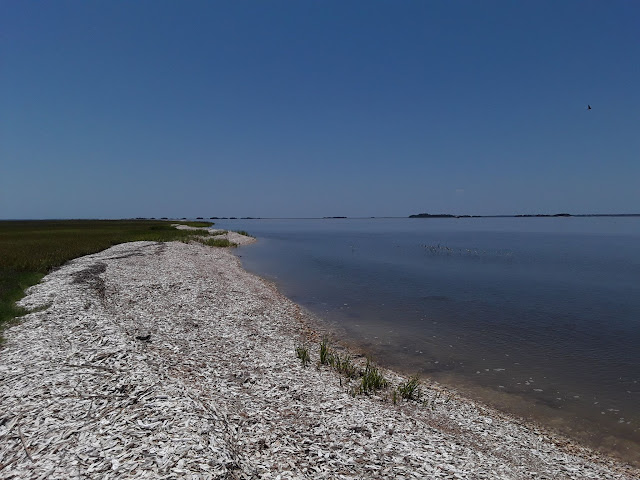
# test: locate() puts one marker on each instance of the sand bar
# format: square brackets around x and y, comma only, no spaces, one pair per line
[168,360]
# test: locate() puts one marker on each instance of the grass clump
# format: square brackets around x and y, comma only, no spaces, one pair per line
[303,354]
[245,233]
[344,365]
[372,379]
[326,356]
[410,390]
[341,364]
[217,242]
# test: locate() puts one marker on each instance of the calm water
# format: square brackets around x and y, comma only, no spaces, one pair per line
[538,316]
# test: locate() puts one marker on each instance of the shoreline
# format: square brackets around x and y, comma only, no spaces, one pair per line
[517,407]
[149,360]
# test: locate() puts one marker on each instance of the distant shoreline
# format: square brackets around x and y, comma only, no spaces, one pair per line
[420,215]
[442,215]
[538,215]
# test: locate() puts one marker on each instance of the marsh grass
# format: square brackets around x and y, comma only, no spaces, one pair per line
[325,352]
[372,380]
[410,390]
[302,353]
[345,366]
[196,224]
[217,242]
[31,249]
[341,364]
[245,233]
[12,287]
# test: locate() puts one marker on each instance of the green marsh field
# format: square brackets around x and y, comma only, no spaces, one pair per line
[30,249]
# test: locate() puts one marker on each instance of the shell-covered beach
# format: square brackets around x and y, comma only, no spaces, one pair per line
[168,360]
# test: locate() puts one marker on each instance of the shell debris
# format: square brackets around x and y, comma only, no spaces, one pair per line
[168,360]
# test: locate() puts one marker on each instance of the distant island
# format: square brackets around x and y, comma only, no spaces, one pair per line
[430,215]
[542,215]
[446,215]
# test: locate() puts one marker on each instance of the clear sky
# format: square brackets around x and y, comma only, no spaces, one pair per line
[112,109]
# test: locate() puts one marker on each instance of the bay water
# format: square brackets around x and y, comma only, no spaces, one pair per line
[539,317]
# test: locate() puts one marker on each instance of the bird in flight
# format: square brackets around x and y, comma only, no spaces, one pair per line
[588,107]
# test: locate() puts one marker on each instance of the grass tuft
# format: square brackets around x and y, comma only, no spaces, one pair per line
[345,365]
[302,353]
[245,233]
[325,352]
[217,242]
[372,379]
[410,390]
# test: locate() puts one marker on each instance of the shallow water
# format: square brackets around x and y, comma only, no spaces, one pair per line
[539,316]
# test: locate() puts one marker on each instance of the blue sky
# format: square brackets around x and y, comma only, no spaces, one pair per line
[113,109]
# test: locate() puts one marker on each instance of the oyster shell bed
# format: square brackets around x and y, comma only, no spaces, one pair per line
[168,360]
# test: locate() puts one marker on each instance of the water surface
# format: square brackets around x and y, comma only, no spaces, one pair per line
[539,316]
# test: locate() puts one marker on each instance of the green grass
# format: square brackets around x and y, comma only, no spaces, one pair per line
[245,233]
[341,364]
[410,390]
[372,379]
[344,365]
[217,242]
[303,354]
[195,224]
[31,249]
[326,356]
[12,287]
